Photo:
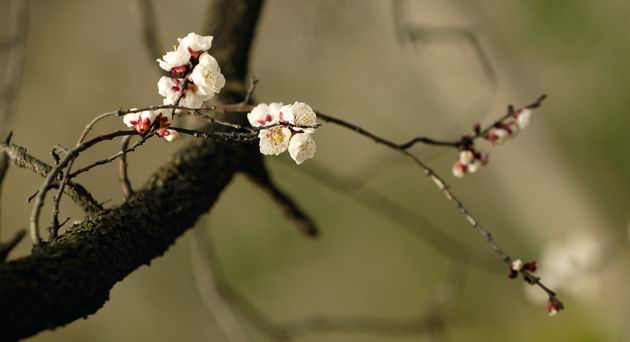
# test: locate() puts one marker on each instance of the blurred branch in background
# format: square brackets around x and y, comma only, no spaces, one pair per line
[226,303]
[150,34]
[14,47]
[408,219]
[408,31]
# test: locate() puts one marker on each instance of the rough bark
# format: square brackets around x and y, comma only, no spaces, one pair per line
[71,278]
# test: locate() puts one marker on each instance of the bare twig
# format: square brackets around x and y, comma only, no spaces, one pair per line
[252,87]
[123,169]
[19,157]
[236,137]
[297,215]
[443,186]
[113,157]
[54,228]
[52,176]
[468,140]
[413,221]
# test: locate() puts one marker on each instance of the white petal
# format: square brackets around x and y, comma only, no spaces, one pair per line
[131,117]
[171,135]
[207,75]
[148,114]
[523,119]
[302,147]
[196,42]
[166,85]
[177,57]
[459,169]
[274,141]
[474,166]
[466,156]
[259,115]
[301,114]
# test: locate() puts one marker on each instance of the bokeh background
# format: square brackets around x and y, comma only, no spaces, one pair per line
[563,180]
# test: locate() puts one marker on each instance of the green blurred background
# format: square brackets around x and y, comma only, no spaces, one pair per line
[566,176]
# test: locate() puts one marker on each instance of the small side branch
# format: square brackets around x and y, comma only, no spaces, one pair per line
[53,175]
[123,169]
[444,187]
[18,156]
[468,140]
[304,223]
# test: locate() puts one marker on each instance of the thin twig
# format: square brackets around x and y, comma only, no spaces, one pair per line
[443,186]
[54,228]
[250,91]
[123,169]
[410,220]
[305,224]
[19,157]
[220,136]
[467,140]
[52,175]
[111,158]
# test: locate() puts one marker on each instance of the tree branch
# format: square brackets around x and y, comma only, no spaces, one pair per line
[71,277]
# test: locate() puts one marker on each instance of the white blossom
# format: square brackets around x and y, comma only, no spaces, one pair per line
[264,114]
[196,42]
[190,99]
[169,135]
[143,121]
[274,141]
[284,135]
[302,147]
[176,58]
[131,119]
[474,165]
[517,264]
[523,118]
[459,169]
[207,75]
[168,86]
[299,114]
[498,136]
[466,156]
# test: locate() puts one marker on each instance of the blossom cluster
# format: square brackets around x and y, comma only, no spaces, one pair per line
[195,77]
[509,127]
[195,74]
[289,128]
[144,121]
[470,160]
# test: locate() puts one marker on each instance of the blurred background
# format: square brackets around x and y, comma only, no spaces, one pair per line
[558,193]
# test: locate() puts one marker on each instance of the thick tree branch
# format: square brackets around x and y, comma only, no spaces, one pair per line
[71,277]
